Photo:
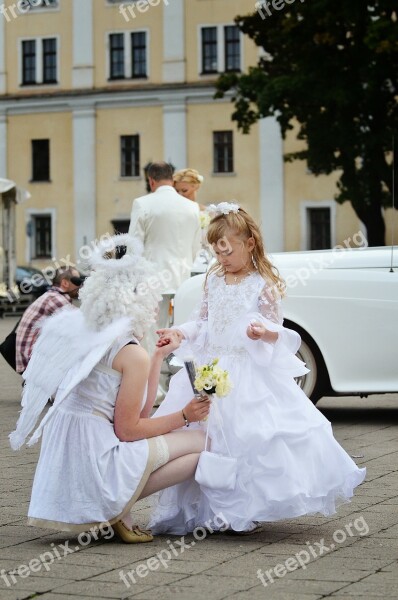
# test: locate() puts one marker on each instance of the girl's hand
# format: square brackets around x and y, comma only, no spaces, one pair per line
[257,331]
[169,343]
[164,336]
[198,409]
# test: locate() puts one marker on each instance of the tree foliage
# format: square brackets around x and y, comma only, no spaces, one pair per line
[331,66]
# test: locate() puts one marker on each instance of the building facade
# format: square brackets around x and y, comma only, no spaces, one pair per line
[92,90]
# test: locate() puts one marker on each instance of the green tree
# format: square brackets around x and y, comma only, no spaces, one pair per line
[331,66]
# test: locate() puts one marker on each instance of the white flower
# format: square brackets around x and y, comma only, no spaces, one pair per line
[224,208]
[200,178]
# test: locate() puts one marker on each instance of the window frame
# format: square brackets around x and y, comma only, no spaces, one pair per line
[307,206]
[229,159]
[136,162]
[221,49]
[33,178]
[30,215]
[39,61]
[215,44]
[128,55]
[43,7]
[112,77]
[23,58]
[226,41]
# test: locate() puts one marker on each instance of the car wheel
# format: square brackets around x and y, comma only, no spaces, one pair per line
[315,383]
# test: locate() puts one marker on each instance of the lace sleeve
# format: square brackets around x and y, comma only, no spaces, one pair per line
[269,305]
[204,307]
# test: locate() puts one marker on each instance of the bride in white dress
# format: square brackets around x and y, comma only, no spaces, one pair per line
[100,451]
[289,463]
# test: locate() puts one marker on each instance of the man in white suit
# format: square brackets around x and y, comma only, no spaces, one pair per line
[168,226]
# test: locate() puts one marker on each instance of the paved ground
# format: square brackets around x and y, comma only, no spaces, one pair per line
[352,555]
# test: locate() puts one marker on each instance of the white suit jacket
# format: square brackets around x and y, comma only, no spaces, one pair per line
[168,226]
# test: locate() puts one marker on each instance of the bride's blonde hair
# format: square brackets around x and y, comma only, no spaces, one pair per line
[242,225]
[188,176]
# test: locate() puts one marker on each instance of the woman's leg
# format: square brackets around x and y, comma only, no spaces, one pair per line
[184,451]
[173,472]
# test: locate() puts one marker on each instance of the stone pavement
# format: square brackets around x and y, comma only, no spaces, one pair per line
[351,555]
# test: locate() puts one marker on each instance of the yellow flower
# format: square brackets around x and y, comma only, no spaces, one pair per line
[204,219]
[213,379]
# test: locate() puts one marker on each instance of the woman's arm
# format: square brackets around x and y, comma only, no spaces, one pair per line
[169,343]
[133,362]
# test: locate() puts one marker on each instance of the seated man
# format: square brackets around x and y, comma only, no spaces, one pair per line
[65,287]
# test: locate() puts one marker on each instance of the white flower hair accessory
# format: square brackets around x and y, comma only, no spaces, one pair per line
[201,178]
[224,208]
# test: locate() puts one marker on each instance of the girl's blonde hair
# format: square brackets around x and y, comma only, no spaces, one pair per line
[242,225]
[188,176]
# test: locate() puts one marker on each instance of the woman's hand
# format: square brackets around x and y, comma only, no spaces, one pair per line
[198,409]
[168,343]
[164,336]
[258,331]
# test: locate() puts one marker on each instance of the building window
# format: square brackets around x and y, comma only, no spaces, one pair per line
[138,54]
[232,48]
[209,50]
[128,55]
[117,55]
[319,228]
[130,155]
[40,160]
[220,49]
[41,236]
[29,62]
[121,225]
[39,61]
[50,60]
[223,152]
[33,4]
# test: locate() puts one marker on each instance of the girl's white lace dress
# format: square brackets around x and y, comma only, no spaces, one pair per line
[289,463]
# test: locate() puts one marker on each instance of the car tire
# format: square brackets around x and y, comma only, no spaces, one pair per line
[315,383]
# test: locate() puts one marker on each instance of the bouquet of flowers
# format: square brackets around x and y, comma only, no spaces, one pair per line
[209,378]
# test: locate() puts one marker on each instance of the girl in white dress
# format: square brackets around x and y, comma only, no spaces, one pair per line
[289,463]
[100,451]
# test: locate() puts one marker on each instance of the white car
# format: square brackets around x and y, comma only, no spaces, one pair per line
[344,304]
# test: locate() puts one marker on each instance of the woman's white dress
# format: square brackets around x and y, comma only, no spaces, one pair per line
[289,463]
[85,475]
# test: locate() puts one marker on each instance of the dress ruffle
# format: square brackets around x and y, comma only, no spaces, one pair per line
[289,463]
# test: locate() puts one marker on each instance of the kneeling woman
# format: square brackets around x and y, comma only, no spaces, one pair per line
[100,450]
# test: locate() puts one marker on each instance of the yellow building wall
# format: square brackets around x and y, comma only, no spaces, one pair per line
[301,186]
[115,194]
[213,12]
[109,20]
[57,127]
[243,185]
[49,23]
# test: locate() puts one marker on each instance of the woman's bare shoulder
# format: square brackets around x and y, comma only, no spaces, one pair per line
[131,355]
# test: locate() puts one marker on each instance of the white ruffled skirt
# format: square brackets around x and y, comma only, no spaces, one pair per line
[289,463]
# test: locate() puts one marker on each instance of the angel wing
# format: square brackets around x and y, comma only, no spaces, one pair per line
[65,345]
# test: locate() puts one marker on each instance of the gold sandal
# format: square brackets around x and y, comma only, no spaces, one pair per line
[132,536]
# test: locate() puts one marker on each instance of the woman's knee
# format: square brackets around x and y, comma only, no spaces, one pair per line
[185,442]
